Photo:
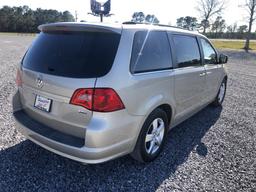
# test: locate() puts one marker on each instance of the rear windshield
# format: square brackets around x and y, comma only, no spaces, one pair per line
[73,54]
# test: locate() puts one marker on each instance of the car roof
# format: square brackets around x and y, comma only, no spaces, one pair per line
[114,27]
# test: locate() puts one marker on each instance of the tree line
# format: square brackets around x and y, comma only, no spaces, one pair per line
[210,8]
[140,17]
[218,29]
[210,22]
[24,19]
[212,28]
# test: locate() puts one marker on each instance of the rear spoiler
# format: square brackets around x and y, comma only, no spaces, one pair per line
[66,26]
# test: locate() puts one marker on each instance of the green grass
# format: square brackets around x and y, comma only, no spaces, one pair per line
[232,44]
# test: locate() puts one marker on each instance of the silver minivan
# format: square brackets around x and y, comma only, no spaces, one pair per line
[95,92]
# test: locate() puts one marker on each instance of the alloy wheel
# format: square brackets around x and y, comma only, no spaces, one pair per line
[154,136]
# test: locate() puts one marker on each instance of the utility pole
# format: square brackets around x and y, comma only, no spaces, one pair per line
[76,16]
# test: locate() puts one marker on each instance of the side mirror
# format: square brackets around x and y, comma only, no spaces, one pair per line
[223,59]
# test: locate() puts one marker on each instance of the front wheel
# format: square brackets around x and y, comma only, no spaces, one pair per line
[152,137]
[221,94]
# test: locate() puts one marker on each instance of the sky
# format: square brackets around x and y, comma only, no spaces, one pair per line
[167,11]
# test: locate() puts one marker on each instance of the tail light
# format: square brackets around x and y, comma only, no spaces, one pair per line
[18,78]
[97,99]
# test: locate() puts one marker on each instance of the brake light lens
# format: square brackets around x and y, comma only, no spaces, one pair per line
[98,99]
[106,100]
[18,78]
[82,97]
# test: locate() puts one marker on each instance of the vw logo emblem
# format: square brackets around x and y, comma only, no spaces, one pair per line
[39,81]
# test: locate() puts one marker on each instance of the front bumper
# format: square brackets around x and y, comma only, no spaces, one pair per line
[103,140]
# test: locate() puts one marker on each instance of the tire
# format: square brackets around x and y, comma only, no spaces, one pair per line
[221,94]
[154,128]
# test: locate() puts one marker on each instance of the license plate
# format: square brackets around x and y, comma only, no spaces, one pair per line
[43,103]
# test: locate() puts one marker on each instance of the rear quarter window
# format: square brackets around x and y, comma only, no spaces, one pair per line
[73,54]
[151,52]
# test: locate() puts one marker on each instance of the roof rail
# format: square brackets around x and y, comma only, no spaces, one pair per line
[155,24]
[130,23]
[162,25]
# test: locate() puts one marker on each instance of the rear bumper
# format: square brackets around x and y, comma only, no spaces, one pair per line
[103,140]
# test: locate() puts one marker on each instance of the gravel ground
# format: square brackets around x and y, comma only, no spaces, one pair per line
[214,150]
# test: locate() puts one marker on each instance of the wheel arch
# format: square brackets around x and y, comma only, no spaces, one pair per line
[168,110]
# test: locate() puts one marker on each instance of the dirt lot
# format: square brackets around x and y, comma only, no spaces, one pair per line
[213,151]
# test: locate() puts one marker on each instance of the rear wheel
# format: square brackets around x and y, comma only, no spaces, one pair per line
[152,137]
[221,94]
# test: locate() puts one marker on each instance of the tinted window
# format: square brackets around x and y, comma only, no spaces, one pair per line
[187,51]
[210,56]
[151,51]
[73,54]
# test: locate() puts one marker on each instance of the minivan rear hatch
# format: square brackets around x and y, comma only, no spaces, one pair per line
[62,59]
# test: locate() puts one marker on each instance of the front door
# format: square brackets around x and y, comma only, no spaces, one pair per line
[213,69]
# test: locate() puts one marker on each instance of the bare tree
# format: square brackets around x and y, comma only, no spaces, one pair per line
[251,8]
[209,8]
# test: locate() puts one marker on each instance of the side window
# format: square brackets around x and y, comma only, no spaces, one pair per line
[210,56]
[187,51]
[151,51]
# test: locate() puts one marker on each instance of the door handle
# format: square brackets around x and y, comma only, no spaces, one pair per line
[202,74]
